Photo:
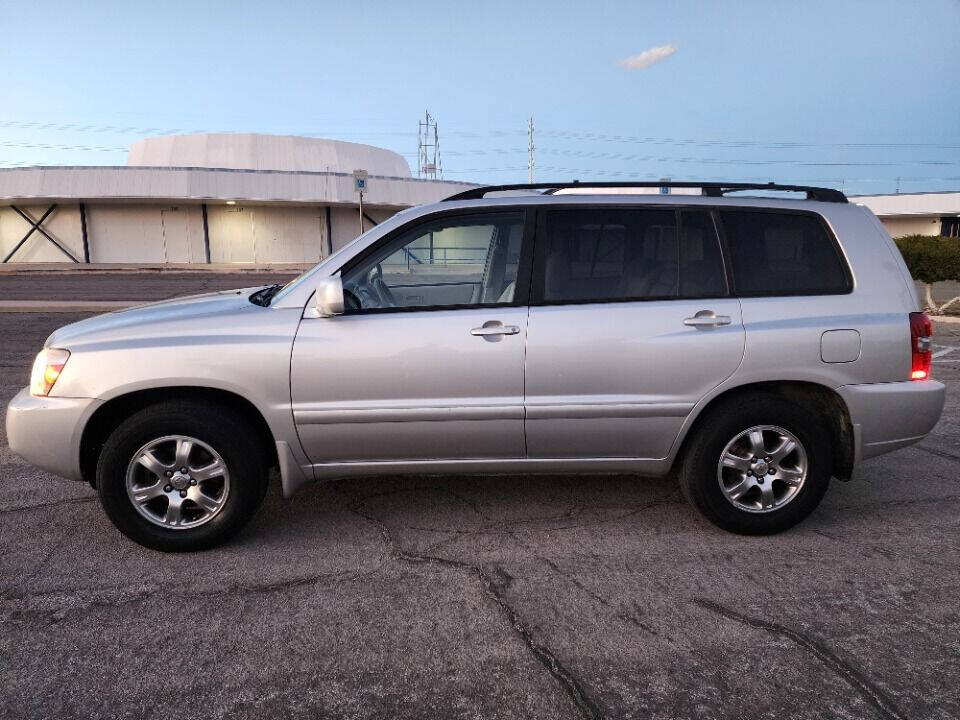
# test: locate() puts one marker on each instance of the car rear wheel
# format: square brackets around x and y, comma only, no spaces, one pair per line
[181,476]
[757,465]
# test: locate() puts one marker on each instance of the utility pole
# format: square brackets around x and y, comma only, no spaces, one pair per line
[428,151]
[530,150]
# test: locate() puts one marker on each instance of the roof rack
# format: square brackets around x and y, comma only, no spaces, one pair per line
[710,189]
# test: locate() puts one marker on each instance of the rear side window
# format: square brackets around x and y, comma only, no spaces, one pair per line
[783,254]
[609,255]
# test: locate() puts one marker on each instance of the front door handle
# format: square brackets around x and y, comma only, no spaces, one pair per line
[707,318]
[494,327]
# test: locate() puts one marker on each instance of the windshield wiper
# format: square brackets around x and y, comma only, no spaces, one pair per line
[264,296]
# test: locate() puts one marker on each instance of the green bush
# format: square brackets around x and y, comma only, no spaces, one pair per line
[931,259]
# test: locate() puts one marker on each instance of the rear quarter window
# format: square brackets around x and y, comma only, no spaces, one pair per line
[783,254]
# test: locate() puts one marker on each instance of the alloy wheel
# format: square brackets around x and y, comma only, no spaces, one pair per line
[177,482]
[762,469]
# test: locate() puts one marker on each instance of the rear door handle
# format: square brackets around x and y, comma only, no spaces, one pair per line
[707,318]
[494,328]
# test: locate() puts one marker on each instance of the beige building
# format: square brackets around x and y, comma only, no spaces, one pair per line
[207,198]
[933,213]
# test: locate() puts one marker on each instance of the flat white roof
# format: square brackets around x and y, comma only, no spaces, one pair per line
[185,184]
[930,203]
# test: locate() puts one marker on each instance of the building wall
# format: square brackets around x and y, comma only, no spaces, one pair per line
[256,151]
[145,233]
[157,233]
[346,223]
[240,233]
[900,226]
[63,224]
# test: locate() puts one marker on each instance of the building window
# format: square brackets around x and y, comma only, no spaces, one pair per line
[950,226]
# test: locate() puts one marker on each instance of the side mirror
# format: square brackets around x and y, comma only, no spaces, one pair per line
[329,297]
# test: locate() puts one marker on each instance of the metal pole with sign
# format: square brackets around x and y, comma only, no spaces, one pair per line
[360,186]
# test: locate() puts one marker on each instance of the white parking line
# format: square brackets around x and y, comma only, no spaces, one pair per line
[946,350]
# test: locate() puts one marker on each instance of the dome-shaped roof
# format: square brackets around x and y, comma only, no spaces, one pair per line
[250,151]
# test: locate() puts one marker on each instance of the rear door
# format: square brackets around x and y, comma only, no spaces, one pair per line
[631,324]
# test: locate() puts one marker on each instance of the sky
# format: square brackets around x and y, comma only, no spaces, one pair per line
[864,96]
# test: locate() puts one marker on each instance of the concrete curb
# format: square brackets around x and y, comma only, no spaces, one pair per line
[64,306]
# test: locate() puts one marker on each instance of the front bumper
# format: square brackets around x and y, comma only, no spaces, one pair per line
[46,431]
[887,416]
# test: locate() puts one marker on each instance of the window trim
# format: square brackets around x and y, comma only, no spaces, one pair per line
[724,264]
[828,232]
[521,290]
[538,276]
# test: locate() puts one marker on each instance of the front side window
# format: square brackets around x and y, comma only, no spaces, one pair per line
[604,255]
[782,254]
[453,261]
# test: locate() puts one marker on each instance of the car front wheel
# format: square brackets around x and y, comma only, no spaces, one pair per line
[181,476]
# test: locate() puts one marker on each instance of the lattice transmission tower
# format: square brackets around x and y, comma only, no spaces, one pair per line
[428,153]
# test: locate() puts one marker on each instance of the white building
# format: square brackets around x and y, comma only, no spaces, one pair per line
[208,198]
[932,213]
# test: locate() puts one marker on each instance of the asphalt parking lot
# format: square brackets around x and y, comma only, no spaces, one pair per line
[533,597]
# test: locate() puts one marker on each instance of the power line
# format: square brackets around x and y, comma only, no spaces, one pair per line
[584,154]
[632,139]
[51,146]
[587,173]
[576,135]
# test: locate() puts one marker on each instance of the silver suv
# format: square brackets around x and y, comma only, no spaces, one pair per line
[760,346]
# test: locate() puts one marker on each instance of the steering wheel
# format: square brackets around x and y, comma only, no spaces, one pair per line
[376,283]
[350,299]
[368,291]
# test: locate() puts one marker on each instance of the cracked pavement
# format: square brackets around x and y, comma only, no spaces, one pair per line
[552,597]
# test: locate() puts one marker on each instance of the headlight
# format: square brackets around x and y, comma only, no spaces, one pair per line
[46,369]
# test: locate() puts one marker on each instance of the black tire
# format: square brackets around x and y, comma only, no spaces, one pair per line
[218,427]
[701,486]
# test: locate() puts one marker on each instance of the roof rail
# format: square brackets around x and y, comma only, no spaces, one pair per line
[710,189]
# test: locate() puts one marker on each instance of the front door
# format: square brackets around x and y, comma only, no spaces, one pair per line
[631,324]
[426,364]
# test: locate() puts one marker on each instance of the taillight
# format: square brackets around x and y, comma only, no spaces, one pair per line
[921,344]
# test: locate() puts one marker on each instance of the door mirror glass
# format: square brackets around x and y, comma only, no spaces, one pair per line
[329,297]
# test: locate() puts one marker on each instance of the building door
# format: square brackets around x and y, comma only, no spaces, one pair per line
[232,237]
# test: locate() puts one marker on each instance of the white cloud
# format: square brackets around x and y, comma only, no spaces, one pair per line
[647,57]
